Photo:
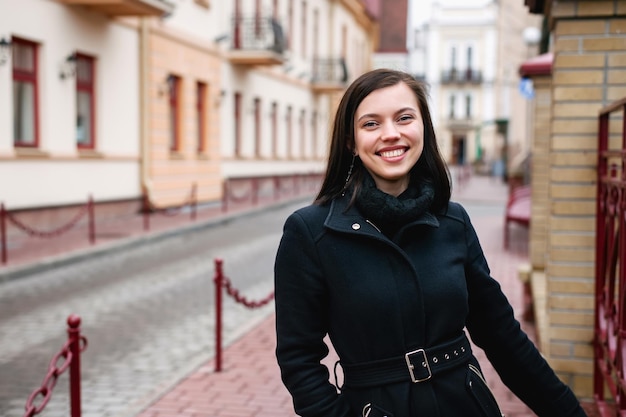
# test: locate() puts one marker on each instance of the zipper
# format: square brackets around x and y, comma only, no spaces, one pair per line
[475,370]
[373,225]
[478,373]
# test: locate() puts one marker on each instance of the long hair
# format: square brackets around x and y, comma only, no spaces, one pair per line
[429,167]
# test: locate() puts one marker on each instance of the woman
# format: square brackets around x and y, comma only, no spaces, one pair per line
[393,272]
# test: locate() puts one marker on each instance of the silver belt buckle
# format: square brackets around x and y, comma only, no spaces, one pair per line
[411,367]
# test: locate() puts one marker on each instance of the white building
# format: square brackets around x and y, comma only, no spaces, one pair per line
[69,108]
[469,52]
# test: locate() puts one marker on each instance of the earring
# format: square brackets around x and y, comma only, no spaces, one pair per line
[345,185]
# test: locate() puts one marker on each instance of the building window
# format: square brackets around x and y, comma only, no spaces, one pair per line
[314,134]
[174,110]
[274,127]
[201,95]
[289,133]
[85,91]
[453,58]
[452,106]
[469,57]
[257,127]
[25,94]
[304,29]
[302,126]
[468,106]
[291,26]
[237,127]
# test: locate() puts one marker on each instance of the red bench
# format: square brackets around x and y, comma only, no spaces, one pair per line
[517,210]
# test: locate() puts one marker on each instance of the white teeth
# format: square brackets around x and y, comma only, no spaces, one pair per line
[391,154]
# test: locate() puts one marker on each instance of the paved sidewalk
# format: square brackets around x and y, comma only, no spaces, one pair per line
[249,384]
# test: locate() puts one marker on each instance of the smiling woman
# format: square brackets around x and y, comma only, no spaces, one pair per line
[393,272]
[389,136]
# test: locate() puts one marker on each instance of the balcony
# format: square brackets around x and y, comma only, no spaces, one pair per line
[330,75]
[454,76]
[257,41]
[142,8]
[457,124]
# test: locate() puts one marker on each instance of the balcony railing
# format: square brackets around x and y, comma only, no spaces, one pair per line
[610,280]
[329,74]
[455,76]
[126,7]
[460,123]
[257,41]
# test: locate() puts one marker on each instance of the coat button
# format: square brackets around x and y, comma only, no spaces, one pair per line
[356,226]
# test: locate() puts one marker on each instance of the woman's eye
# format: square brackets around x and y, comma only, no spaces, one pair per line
[405,117]
[371,123]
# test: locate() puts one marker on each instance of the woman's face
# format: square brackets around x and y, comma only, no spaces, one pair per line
[389,136]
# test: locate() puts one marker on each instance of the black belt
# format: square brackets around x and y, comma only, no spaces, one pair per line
[416,366]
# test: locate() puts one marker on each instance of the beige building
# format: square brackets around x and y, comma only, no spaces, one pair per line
[582,73]
[120,99]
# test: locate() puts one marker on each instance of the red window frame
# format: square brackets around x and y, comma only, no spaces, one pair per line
[174,109]
[85,83]
[26,75]
[201,96]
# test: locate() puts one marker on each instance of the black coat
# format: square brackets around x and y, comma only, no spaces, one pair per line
[379,298]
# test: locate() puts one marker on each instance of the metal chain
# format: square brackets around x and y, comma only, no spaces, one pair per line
[233,292]
[50,233]
[50,380]
[167,211]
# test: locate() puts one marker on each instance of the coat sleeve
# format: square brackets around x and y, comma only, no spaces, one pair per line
[494,328]
[302,323]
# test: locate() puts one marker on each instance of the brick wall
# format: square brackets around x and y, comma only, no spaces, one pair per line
[588,73]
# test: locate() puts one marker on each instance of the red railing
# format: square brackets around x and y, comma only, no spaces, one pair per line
[7,216]
[70,352]
[254,190]
[223,282]
[610,273]
[148,208]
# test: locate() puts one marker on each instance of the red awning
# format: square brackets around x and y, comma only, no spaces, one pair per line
[539,65]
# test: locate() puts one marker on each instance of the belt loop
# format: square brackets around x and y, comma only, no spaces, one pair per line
[337,379]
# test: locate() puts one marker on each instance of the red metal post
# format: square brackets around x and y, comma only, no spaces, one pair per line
[194,200]
[225,196]
[219,282]
[73,332]
[3,233]
[92,221]
[145,208]
[255,191]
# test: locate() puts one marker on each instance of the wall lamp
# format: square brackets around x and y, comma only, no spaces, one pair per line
[165,87]
[221,38]
[5,50]
[68,67]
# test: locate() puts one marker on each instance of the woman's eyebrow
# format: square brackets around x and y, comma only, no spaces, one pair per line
[403,109]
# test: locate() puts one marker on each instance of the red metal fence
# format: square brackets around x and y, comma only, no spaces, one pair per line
[8,216]
[221,281]
[610,291]
[70,352]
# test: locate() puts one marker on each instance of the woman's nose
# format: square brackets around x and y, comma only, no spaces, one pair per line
[390,131]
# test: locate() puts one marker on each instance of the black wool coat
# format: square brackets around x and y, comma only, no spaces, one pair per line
[378,298]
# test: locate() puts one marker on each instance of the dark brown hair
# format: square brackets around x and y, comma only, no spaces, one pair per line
[430,166]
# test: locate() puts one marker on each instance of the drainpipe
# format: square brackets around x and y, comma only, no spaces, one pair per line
[144,102]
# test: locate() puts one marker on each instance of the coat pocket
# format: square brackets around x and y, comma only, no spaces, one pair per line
[481,393]
[370,410]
